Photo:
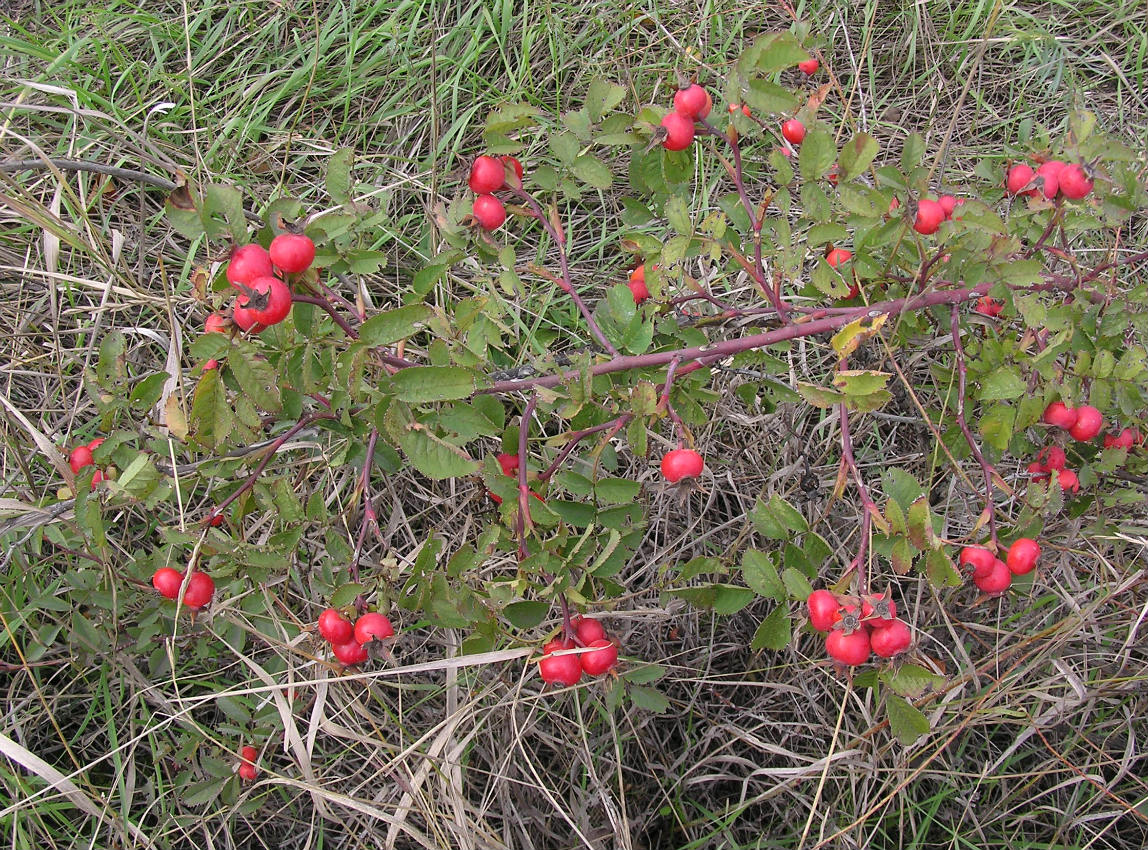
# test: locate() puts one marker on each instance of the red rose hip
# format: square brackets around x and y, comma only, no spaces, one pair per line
[823,607]
[682,463]
[1089,422]
[893,639]
[487,175]
[373,626]
[602,658]
[335,628]
[167,581]
[560,669]
[679,132]
[489,212]
[851,649]
[1022,555]
[292,252]
[1060,415]
[793,131]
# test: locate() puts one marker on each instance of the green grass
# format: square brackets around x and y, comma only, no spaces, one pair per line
[260,96]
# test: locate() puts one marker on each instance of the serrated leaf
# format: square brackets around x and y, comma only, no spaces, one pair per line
[257,379]
[849,338]
[616,491]
[1002,383]
[760,573]
[212,418]
[649,699]
[393,325]
[911,681]
[822,397]
[423,384]
[905,720]
[147,392]
[901,555]
[996,425]
[678,215]
[764,97]
[776,52]
[862,201]
[920,523]
[436,458]
[592,171]
[601,97]
[856,156]
[796,584]
[729,599]
[940,570]
[817,154]
[564,147]
[643,675]
[578,122]
[775,631]
[856,382]
[902,487]
[339,175]
[777,519]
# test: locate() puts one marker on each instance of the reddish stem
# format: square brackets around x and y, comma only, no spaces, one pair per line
[522,522]
[614,425]
[868,506]
[559,243]
[370,518]
[306,421]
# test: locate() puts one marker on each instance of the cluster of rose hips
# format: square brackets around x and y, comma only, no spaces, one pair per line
[931,213]
[349,640]
[200,586]
[1049,179]
[1083,424]
[566,668]
[990,573]
[855,627]
[691,104]
[81,457]
[247,769]
[488,174]
[264,299]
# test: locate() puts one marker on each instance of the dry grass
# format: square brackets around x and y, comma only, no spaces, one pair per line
[1038,715]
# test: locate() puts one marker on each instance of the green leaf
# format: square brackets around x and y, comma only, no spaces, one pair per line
[775,52]
[339,175]
[147,392]
[862,201]
[212,418]
[678,215]
[643,675]
[434,457]
[921,532]
[1003,383]
[601,97]
[592,171]
[257,378]
[902,487]
[111,370]
[817,154]
[778,519]
[616,491]
[765,97]
[393,325]
[649,699]
[860,381]
[939,567]
[730,599]
[421,384]
[796,584]
[345,594]
[223,213]
[996,425]
[760,572]
[526,615]
[856,156]
[578,122]
[774,632]
[905,720]
[912,152]
[911,681]
[822,397]
[210,347]
[564,147]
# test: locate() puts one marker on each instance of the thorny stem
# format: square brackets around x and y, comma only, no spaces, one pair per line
[560,244]
[867,504]
[962,381]
[329,309]
[568,632]
[613,426]
[1053,220]
[522,522]
[370,518]
[755,221]
[664,401]
[277,444]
